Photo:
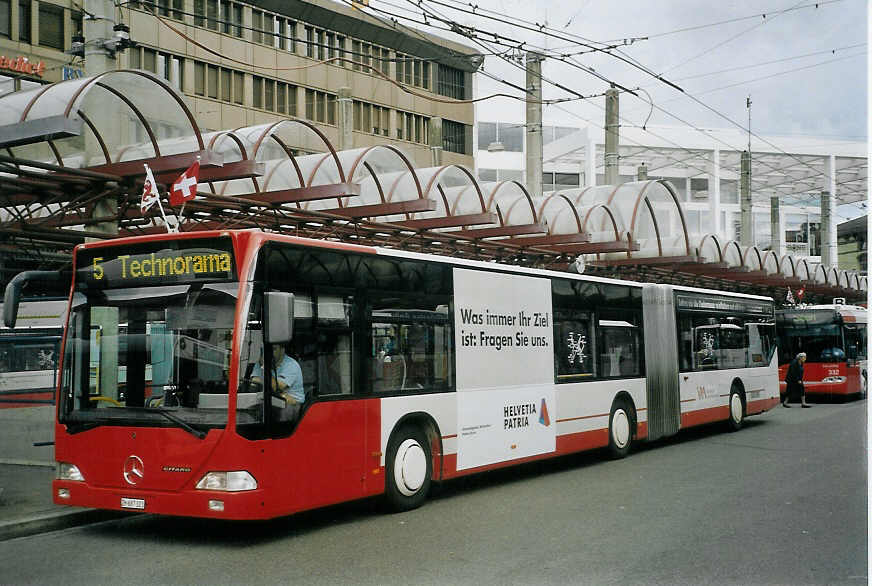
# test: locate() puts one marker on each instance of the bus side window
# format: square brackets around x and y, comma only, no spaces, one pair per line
[574,348]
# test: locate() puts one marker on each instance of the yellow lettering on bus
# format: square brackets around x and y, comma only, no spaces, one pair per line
[123,260]
[98,269]
[134,269]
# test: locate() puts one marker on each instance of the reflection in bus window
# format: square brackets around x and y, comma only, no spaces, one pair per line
[724,341]
[618,348]
[410,348]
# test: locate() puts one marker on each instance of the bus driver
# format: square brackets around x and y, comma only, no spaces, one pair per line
[287,379]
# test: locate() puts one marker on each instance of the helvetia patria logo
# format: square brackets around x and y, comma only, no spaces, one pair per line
[518,415]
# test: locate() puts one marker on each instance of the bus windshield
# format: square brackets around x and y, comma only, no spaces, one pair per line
[156,355]
[820,342]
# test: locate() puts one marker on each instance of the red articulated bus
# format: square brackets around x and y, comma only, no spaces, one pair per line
[834,340]
[385,371]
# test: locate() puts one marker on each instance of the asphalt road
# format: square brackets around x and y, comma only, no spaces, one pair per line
[783,501]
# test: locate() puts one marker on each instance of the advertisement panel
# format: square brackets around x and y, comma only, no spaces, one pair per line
[505,367]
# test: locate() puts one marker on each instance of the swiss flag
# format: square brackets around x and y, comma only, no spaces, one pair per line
[185,187]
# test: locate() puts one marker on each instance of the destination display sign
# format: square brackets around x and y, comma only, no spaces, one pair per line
[157,263]
[728,305]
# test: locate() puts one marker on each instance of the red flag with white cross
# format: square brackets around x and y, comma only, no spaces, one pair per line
[185,187]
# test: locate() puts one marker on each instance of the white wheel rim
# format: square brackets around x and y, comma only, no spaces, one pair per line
[736,408]
[410,467]
[620,428]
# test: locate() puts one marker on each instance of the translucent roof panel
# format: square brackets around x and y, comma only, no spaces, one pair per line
[127,115]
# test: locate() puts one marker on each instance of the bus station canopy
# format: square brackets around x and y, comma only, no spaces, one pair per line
[73,167]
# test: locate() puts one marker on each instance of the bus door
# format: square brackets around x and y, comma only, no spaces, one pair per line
[661,360]
[322,438]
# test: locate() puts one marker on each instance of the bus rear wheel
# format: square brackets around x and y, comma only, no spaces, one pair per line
[737,410]
[409,469]
[621,426]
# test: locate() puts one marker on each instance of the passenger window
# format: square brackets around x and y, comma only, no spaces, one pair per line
[410,345]
[705,347]
[618,345]
[574,348]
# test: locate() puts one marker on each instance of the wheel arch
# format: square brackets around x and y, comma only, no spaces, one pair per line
[740,386]
[427,423]
[634,416]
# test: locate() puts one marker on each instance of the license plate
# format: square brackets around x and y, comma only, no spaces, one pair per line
[127,503]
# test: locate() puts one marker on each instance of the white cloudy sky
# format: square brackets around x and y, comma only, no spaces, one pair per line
[805,68]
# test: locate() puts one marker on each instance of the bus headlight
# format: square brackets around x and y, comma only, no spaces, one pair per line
[233,481]
[835,379]
[67,471]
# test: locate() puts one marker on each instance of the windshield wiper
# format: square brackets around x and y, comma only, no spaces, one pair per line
[200,434]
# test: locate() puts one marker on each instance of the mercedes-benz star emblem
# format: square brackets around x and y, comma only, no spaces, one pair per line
[134,469]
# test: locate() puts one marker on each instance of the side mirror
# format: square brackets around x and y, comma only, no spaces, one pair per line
[279,317]
[12,295]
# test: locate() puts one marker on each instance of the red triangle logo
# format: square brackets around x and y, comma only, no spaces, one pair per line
[543,415]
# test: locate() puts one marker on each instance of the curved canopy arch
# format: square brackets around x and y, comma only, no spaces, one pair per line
[386,178]
[771,264]
[560,214]
[752,259]
[125,114]
[446,185]
[709,249]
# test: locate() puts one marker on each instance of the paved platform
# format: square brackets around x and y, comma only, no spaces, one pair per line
[26,505]
[26,472]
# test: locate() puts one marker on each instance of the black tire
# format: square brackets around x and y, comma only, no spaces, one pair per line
[622,424]
[408,469]
[736,417]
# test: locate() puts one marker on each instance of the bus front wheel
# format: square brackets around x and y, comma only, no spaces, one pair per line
[737,410]
[409,469]
[620,429]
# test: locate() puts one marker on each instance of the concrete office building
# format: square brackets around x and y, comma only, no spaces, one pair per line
[248,63]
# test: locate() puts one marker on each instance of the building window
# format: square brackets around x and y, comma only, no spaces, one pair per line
[6,18]
[269,91]
[51,26]
[355,55]
[386,62]
[212,81]
[199,78]
[257,26]
[212,14]
[451,82]
[238,87]
[226,17]
[199,12]
[76,18]
[413,127]
[258,91]
[281,98]
[322,52]
[268,37]
[454,137]
[291,33]
[237,20]
[149,60]
[226,84]
[320,106]
[24,21]
[310,41]
[340,49]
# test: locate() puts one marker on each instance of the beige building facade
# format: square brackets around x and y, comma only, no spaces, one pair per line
[242,64]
